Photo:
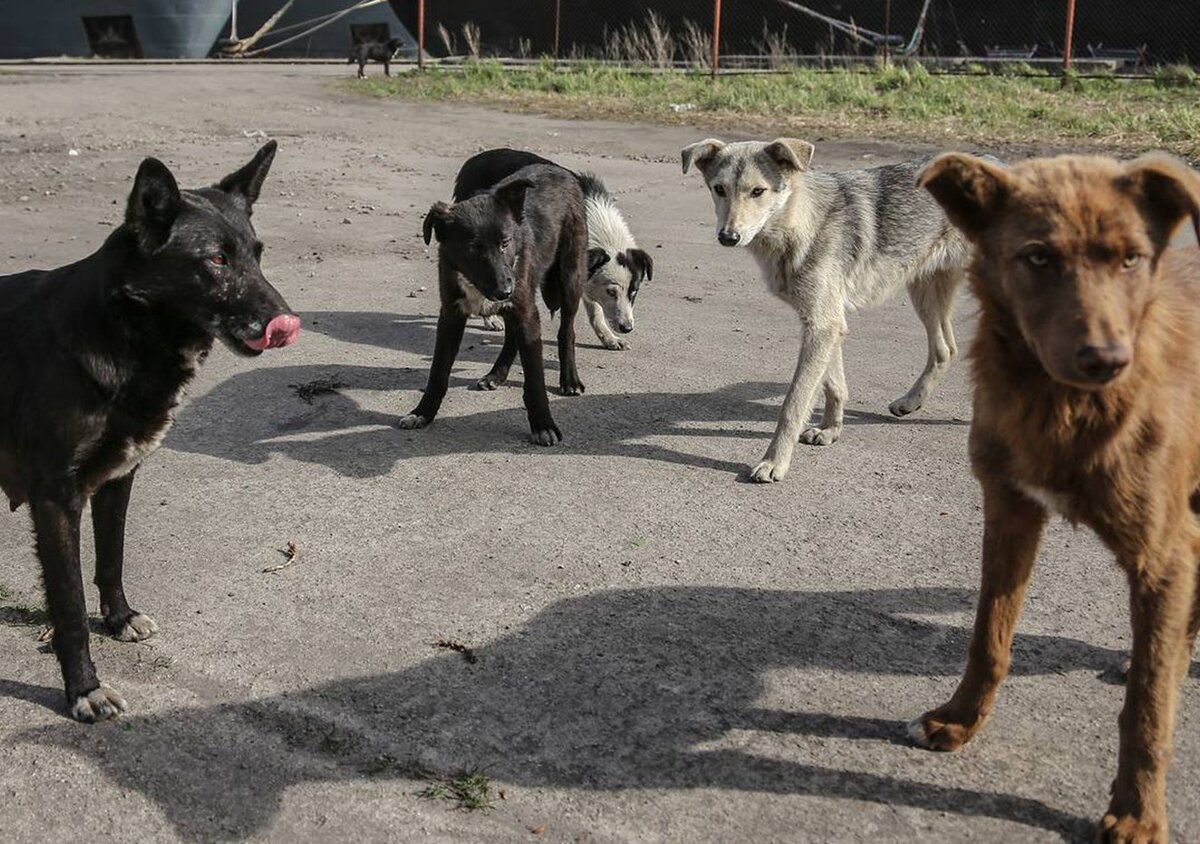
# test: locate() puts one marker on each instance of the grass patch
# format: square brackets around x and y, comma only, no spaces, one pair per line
[469,790]
[5,592]
[898,102]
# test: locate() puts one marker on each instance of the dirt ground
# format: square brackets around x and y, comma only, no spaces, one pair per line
[664,653]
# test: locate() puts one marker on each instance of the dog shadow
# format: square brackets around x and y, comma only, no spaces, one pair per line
[616,690]
[314,418]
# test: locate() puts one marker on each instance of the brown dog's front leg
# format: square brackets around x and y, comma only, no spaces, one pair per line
[1013,527]
[1161,595]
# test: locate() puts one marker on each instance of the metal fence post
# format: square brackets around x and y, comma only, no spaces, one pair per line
[1070,30]
[557,25]
[420,34]
[716,45]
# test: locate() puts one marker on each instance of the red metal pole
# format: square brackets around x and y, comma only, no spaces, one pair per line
[716,56]
[557,20]
[1070,30]
[420,34]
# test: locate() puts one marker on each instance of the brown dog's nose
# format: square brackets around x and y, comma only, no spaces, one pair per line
[1102,363]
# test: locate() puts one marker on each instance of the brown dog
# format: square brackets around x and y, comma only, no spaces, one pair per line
[1087,404]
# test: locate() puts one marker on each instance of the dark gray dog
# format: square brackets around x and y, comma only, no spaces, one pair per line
[495,251]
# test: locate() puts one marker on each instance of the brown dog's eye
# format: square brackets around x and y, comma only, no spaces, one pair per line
[1131,261]
[218,260]
[1038,258]
[718,190]
[757,192]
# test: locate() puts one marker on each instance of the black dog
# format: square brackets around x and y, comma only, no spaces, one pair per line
[616,266]
[370,51]
[495,250]
[95,357]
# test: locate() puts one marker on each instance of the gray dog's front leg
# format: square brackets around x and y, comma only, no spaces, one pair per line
[816,351]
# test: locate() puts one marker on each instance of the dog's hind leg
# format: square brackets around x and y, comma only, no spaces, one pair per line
[504,362]
[933,300]
[109,505]
[451,324]
[56,524]
[835,404]
[572,273]
[816,352]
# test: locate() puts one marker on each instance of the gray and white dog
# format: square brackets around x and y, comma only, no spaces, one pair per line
[828,244]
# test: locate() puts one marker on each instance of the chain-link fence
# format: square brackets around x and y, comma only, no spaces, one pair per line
[1116,35]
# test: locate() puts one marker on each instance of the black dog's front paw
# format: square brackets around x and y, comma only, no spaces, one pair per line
[546,433]
[98,705]
[412,421]
[132,626]
[570,385]
[490,381]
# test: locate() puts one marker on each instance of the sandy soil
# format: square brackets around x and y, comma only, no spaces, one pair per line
[664,652]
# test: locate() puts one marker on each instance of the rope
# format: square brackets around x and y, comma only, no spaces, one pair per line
[326,21]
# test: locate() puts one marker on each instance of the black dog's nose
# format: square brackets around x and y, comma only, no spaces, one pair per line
[728,238]
[1102,363]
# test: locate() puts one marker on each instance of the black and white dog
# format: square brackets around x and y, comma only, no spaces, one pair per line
[373,52]
[496,250]
[616,266]
[95,357]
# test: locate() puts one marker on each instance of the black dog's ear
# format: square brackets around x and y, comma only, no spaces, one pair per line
[247,182]
[438,216]
[641,261]
[596,259]
[153,205]
[512,196]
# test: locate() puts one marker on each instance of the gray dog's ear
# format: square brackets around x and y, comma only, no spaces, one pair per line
[700,153]
[512,196]
[153,205]
[438,216]
[247,182]
[1171,189]
[969,189]
[791,153]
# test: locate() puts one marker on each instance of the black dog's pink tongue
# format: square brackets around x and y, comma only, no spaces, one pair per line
[281,331]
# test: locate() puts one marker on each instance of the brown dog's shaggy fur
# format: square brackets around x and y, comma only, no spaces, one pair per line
[1087,403]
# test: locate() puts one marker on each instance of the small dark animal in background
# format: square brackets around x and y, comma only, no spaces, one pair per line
[375,52]
[616,266]
[495,250]
[96,356]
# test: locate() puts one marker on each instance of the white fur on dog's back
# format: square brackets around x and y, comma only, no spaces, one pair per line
[607,228]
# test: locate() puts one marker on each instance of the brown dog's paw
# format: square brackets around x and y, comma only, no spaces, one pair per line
[935,730]
[1130,830]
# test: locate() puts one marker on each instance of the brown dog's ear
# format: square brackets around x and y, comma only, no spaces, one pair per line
[700,153]
[438,216]
[1171,190]
[968,188]
[512,196]
[791,153]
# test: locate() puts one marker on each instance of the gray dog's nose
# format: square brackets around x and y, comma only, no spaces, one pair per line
[728,238]
[1102,363]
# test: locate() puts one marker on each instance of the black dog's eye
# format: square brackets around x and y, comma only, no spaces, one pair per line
[507,242]
[757,192]
[218,259]
[718,190]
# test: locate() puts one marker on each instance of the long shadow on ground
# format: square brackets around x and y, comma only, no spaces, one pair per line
[617,690]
